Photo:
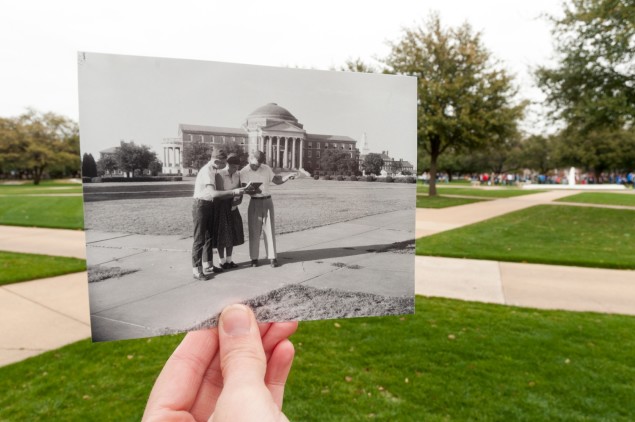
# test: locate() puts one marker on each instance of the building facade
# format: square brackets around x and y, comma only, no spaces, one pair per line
[390,166]
[271,129]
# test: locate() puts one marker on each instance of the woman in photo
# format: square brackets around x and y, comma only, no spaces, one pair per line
[227,219]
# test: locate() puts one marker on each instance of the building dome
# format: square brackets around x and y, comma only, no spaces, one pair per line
[272,111]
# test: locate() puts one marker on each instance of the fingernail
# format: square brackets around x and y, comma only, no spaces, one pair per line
[235,320]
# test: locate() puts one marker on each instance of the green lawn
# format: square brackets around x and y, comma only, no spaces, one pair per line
[506,192]
[548,234]
[16,267]
[42,211]
[424,201]
[44,188]
[451,361]
[602,198]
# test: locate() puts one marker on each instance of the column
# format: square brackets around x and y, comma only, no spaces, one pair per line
[269,151]
[286,153]
[169,157]
[293,154]
[261,144]
[301,151]
[278,153]
[177,159]
[165,157]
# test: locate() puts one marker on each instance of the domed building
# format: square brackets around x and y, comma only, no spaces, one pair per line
[269,128]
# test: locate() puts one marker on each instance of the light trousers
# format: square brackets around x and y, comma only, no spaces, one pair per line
[260,219]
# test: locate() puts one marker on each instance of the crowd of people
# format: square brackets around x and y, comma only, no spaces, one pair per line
[556,178]
[218,191]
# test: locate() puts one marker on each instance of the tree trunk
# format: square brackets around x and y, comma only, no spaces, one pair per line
[435,145]
[37,175]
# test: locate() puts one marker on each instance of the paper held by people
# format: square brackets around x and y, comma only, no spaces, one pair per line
[170,243]
[252,186]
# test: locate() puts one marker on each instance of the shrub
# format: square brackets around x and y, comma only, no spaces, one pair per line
[86,179]
[389,179]
[340,178]
[316,177]
[353,179]
[411,179]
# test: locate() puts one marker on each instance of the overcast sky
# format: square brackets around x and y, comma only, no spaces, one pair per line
[38,55]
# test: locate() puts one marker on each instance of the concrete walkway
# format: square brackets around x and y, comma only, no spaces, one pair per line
[56,242]
[530,285]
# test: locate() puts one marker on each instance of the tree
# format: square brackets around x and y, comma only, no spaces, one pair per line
[37,142]
[537,152]
[592,85]
[357,65]
[131,157]
[465,100]
[89,167]
[373,163]
[337,161]
[107,164]
[196,153]
[155,167]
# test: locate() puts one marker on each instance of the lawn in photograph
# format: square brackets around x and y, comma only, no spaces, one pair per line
[546,234]
[15,267]
[425,201]
[601,198]
[299,205]
[451,360]
[61,212]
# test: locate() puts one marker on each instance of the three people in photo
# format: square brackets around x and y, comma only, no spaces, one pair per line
[218,191]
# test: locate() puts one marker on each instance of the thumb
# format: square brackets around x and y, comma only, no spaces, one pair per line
[242,356]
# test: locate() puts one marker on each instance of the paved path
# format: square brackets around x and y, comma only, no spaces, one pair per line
[40,315]
[57,242]
[530,285]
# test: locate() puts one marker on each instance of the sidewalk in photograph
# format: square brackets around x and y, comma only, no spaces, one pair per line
[163,297]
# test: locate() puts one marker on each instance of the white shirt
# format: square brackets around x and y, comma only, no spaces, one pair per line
[230,181]
[205,182]
[264,175]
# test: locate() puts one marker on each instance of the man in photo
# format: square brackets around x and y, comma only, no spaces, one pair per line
[260,215]
[205,193]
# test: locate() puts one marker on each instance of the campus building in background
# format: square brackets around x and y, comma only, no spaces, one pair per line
[271,129]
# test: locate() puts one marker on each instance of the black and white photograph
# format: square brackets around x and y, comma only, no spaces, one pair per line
[289,190]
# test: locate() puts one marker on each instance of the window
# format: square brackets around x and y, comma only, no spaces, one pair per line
[318,154]
[310,145]
[318,145]
[309,154]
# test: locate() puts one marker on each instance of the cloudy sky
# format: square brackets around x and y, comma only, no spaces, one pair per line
[38,55]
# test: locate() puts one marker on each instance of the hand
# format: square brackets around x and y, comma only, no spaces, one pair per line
[235,372]
[238,191]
